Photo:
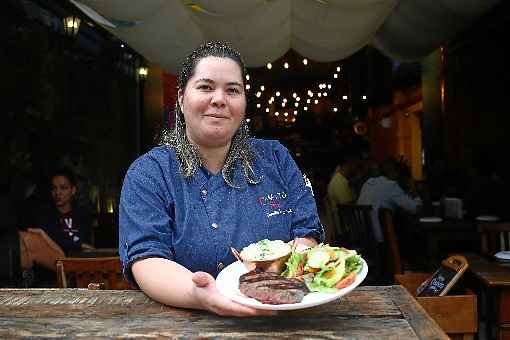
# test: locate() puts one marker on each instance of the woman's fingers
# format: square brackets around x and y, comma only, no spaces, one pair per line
[202,279]
[211,298]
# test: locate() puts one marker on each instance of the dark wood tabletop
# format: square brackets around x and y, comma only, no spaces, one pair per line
[491,272]
[367,312]
[495,279]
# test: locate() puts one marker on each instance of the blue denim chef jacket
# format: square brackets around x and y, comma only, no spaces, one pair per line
[195,221]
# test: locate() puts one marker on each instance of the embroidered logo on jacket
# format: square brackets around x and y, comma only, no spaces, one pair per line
[273,201]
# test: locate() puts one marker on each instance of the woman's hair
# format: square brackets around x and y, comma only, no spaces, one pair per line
[65,172]
[187,153]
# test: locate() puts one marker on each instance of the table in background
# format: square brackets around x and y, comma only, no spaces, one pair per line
[494,276]
[367,312]
[457,235]
[96,252]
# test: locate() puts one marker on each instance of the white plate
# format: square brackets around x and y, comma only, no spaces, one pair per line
[487,218]
[431,219]
[227,283]
[503,255]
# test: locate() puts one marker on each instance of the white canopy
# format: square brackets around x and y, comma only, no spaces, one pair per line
[263,30]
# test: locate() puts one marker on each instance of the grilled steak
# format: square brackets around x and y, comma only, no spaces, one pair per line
[271,288]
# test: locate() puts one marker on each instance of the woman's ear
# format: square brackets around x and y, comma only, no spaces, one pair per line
[179,98]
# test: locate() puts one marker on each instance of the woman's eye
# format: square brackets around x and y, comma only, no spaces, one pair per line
[233,90]
[204,87]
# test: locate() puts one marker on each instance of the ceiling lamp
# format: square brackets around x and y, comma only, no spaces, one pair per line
[71,26]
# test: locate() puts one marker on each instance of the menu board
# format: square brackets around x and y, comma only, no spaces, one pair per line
[444,277]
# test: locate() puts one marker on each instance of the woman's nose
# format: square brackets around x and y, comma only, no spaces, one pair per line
[218,98]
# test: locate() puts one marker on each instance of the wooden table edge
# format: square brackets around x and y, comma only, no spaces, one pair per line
[423,325]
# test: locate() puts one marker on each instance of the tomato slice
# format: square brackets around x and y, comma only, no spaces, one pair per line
[346,281]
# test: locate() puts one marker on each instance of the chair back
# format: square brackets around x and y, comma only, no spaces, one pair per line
[79,272]
[356,220]
[495,237]
[359,235]
[391,243]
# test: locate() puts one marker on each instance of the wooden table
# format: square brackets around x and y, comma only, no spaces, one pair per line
[459,235]
[368,312]
[495,277]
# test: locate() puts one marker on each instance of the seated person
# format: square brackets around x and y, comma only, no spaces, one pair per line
[385,192]
[21,249]
[64,222]
[339,190]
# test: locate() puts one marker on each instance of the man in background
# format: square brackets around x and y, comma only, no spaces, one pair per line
[340,192]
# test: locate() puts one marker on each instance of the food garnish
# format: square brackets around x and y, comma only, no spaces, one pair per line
[322,268]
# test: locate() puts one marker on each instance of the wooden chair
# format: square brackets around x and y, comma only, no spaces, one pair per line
[90,272]
[495,237]
[394,261]
[356,221]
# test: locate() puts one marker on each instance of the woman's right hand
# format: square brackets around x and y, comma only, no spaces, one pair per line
[209,298]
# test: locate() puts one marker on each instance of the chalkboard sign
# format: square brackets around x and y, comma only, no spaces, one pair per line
[444,278]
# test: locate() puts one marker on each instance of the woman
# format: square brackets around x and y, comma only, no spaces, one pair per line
[65,223]
[208,188]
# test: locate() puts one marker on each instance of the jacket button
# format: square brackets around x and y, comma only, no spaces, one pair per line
[215,225]
[221,266]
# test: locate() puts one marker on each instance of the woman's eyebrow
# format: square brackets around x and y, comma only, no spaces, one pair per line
[234,83]
[210,81]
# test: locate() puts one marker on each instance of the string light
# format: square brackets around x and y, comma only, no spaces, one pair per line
[344,97]
[364,97]
[269,66]
[247,86]
[258,105]
[247,77]
[305,61]
[262,88]
[286,65]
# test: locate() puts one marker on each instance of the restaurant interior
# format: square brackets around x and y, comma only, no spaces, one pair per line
[89,86]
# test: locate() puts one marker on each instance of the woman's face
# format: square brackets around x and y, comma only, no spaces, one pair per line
[62,191]
[213,102]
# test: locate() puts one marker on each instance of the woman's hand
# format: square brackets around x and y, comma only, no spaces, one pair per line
[210,299]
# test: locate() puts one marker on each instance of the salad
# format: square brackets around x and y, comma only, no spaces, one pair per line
[324,268]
